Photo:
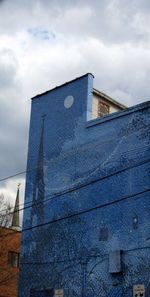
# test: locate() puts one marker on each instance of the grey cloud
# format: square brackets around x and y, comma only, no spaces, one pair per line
[109,38]
[13,119]
[111,21]
[8,67]
[13,139]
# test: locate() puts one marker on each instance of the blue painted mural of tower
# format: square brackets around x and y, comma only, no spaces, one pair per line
[37,211]
[86,224]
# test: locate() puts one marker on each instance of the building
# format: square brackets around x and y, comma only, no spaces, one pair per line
[103,105]
[9,255]
[86,232]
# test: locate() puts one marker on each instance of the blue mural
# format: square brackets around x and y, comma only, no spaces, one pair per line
[86,220]
[37,211]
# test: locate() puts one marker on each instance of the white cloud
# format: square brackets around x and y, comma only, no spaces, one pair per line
[45,43]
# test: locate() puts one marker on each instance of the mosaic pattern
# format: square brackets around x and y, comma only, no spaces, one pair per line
[89,194]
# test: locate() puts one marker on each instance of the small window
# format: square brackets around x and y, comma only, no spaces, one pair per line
[103,109]
[13,259]
[115,261]
[103,234]
[135,221]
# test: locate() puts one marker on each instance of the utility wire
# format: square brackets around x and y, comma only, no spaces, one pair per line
[102,143]
[38,167]
[12,176]
[51,161]
[77,187]
[82,212]
[79,213]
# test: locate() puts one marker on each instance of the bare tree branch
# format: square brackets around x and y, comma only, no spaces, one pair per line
[5,212]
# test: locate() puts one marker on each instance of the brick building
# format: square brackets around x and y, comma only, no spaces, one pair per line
[87,231]
[10,239]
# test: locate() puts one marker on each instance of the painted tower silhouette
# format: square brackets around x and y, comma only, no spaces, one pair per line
[37,214]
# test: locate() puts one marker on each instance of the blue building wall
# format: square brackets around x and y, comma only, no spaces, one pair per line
[87,197]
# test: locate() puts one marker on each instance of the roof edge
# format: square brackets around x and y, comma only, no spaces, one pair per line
[118,114]
[99,93]
[66,83]
[9,228]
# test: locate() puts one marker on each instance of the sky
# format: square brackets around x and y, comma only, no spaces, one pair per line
[44,43]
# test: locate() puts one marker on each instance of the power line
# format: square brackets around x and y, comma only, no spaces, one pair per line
[79,213]
[36,167]
[12,176]
[87,210]
[26,203]
[102,143]
[77,187]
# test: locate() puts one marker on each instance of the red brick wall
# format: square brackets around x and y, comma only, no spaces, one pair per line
[9,241]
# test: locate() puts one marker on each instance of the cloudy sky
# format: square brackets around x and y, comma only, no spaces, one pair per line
[44,43]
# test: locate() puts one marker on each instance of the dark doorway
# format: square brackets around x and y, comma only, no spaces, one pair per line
[42,293]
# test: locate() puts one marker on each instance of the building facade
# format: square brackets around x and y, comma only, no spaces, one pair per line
[86,224]
[10,240]
[9,261]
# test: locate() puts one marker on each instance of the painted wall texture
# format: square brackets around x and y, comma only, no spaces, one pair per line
[86,220]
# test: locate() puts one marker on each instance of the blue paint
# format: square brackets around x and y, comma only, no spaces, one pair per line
[85,177]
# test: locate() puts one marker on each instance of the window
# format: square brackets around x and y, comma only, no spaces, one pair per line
[115,261]
[13,259]
[103,109]
[135,221]
[103,234]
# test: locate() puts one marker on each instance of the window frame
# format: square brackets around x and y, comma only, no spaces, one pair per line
[13,259]
[100,114]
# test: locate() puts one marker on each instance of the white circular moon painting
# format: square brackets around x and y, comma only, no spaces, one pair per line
[68,102]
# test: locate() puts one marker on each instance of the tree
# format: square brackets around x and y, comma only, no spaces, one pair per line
[5,212]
